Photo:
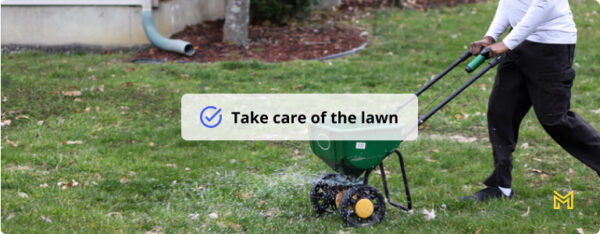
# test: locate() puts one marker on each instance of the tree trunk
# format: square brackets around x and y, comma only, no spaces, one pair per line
[237,16]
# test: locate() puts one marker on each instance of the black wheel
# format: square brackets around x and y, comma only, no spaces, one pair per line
[362,205]
[322,194]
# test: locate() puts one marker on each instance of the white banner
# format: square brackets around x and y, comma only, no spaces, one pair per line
[299,117]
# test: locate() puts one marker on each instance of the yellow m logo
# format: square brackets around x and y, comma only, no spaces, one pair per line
[558,199]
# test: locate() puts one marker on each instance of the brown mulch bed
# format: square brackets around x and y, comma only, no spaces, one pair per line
[268,43]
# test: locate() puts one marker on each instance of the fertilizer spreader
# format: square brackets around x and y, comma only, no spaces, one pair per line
[345,191]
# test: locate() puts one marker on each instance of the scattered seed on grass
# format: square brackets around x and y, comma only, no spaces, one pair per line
[428,214]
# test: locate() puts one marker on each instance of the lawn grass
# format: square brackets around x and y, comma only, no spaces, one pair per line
[135,173]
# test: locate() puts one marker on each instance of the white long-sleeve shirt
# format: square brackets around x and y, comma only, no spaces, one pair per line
[543,21]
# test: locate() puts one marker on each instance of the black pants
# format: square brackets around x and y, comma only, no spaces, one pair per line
[538,75]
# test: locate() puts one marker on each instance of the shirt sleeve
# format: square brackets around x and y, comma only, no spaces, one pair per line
[499,23]
[536,14]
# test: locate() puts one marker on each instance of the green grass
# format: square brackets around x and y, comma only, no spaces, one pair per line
[133,161]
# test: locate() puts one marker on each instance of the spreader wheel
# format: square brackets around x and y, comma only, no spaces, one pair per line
[362,205]
[322,194]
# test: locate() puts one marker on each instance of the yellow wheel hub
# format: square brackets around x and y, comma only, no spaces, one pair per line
[364,208]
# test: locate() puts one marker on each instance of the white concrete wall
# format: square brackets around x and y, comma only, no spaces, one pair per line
[106,26]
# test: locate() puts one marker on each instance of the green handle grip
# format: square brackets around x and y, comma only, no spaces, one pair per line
[475,63]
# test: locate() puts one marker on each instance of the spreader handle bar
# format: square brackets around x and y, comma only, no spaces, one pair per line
[490,65]
[461,59]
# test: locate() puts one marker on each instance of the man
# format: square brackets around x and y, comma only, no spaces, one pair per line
[535,72]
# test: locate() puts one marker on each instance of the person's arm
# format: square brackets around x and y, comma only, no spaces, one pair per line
[499,23]
[536,14]
[497,27]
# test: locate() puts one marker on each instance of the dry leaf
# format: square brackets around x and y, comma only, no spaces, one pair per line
[536,170]
[72,183]
[588,202]
[151,144]
[12,143]
[74,93]
[580,231]
[75,142]
[124,180]
[261,203]
[194,216]
[266,213]
[6,122]
[463,139]
[10,216]
[118,214]
[236,226]
[44,185]
[479,230]
[430,160]
[23,195]
[46,219]
[213,215]
[22,117]
[40,123]
[526,212]
[525,145]
[171,165]
[155,230]
[246,195]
